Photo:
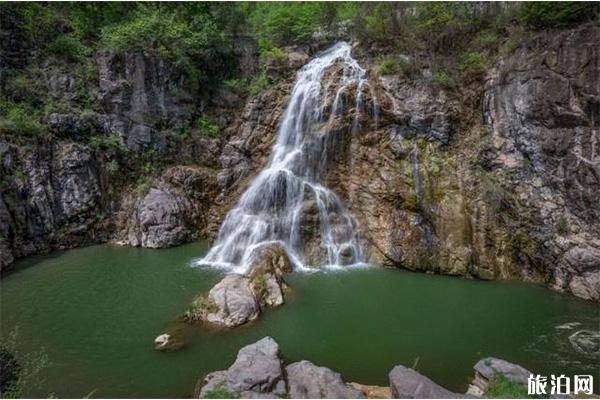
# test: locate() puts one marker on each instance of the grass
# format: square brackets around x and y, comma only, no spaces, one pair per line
[504,388]
[398,65]
[220,393]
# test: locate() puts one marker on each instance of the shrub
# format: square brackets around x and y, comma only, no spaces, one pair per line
[504,388]
[443,80]
[258,84]
[220,393]
[485,38]
[284,23]
[398,65]
[207,127]
[550,14]
[21,119]
[106,142]
[68,47]
[471,65]
[191,41]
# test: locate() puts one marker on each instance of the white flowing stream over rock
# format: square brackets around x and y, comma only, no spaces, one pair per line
[270,210]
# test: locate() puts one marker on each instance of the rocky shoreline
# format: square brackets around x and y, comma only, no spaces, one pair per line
[259,372]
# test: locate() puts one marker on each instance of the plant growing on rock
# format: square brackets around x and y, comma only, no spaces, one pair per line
[207,127]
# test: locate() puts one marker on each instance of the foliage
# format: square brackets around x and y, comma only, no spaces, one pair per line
[284,23]
[189,38]
[442,79]
[21,119]
[69,48]
[379,22]
[258,84]
[471,65]
[207,127]
[504,388]
[220,393]
[550,14]
[27,371]
[398,65]
[106,143]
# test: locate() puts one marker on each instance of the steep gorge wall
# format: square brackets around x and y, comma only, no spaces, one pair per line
[494,180]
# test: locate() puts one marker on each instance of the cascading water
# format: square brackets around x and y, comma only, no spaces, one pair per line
[271,208]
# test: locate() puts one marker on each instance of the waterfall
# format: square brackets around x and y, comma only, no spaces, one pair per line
[272,207]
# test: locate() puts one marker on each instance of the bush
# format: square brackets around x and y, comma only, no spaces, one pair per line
[504,388]
[69,48]
[550,14]
[220,393]
[471,65]
[443,80]
[258,84]
[207,127]
[398,65]
[190,40]
[284,23]
[21,119]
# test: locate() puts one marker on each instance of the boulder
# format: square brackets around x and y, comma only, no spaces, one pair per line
[488,369]
[229,303]
[167,342]
[158,220]
[308,381]
[406,383]
[257,367]
[269,263]
[256,373]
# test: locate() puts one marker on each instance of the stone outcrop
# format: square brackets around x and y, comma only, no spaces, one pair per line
[50,198]
[489,369]
[406,383]
[258,373]
[238,299]
[308,381]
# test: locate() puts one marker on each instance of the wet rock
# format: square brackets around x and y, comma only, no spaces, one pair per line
[167,342]
[308,381]
[267,268]
[229,303]
[490,368]
[406,383]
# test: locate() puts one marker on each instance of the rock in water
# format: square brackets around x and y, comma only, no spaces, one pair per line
[308,381]
[167,342]
[229,303]
[488,369]
[407,383]
[269,263]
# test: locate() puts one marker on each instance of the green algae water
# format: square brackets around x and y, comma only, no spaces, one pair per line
[96,311]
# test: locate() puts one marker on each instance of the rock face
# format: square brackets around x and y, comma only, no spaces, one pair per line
[258,373]
[53,203]
[308,381]
[406,383]
[488,369]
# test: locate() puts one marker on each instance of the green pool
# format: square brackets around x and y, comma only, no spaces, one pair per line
[96,311]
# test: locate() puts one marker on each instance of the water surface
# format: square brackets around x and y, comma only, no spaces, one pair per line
[97,310]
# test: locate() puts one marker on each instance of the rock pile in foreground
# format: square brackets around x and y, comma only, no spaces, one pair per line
[259,373]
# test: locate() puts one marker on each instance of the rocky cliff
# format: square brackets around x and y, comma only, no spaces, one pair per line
[495,179]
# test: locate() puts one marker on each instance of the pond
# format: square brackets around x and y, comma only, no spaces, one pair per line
[96,311]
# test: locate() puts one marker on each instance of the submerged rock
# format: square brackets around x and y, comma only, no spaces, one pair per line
[372,391]
[167,342]
[406,383]
[308,381]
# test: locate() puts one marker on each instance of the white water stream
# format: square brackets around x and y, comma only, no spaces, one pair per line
[272,206]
